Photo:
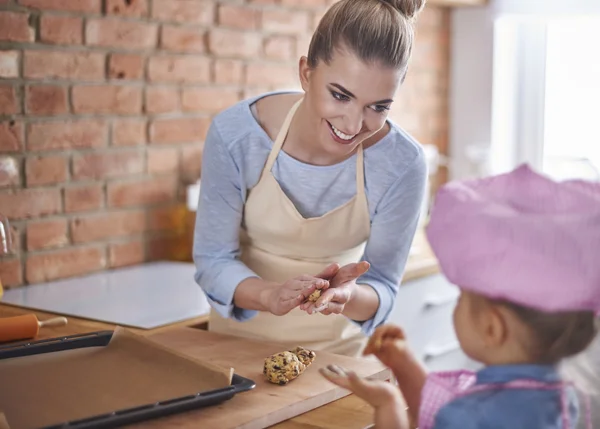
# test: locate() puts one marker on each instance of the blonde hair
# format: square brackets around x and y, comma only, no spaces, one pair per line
[377,31]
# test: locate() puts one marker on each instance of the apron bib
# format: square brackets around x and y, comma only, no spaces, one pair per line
[443,387]
[278,243]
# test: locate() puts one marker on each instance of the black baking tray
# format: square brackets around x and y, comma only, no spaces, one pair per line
[123,417]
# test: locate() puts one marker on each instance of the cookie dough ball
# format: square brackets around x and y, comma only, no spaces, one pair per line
[314,296]
[281,368]
[304,355]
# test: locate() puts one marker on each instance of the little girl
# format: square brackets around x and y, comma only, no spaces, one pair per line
[525,252]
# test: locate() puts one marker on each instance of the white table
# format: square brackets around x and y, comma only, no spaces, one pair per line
[145,296]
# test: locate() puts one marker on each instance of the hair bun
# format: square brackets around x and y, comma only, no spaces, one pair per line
[408,8]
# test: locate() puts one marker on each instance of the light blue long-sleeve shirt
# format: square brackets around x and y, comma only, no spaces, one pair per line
[235,152]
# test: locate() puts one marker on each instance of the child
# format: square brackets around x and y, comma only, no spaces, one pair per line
[525,251]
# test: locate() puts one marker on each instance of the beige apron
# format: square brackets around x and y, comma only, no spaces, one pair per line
[277,243]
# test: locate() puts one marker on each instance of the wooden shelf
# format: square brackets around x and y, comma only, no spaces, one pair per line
[457,3]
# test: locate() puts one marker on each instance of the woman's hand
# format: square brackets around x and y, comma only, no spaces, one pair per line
[377,393]
[282,299]
[342,284]
[388,344]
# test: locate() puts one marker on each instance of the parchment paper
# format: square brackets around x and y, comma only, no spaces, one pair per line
[130,371]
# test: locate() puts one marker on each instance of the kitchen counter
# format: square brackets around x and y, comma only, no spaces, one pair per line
[348,412]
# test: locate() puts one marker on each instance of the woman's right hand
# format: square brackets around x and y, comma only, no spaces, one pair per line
[283,298]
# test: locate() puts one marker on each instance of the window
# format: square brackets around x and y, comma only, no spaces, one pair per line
[572,96]
[546,95]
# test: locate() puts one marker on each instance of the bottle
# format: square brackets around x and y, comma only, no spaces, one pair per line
[5,245]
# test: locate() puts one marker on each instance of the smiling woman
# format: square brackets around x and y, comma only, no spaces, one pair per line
[315,190]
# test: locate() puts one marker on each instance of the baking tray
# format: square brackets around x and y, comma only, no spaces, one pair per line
[123,417]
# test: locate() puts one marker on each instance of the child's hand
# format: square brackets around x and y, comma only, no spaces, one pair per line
[388,344]
[377,393]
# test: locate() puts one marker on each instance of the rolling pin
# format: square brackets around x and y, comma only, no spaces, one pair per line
[25,327]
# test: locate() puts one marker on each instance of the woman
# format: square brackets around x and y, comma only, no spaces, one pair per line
[315,191]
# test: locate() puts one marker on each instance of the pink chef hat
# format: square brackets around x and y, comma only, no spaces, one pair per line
[521,237]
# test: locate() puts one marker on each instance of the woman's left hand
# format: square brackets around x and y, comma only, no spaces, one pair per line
[342,284]
[377,393]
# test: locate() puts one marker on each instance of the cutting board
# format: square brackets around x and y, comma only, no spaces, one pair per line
[267,404]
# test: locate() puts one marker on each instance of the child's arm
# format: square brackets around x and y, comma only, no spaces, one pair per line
[392,415]
[388,344]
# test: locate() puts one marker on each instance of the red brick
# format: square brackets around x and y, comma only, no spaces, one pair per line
[107,165]
[235,16]
[126,254]
[302,45]
[192,11]
[179,130]
[129,132]
[280,47]
[142,192]
[182,39]
[179,69]
[9,171]
[285,21]
[107,99]
[162,100]
[163,160]
[9,104]
[228,72]
[316,20]
[254,91]
[11,273]
[191,162]
[28,203]
[62,264]
[134,8]
[168,219]
[108,225]
[126,67]
[47,234]
[68,134]
[61,30]
[9,64]
[63,65]
[232,43]
[113,32]
[266,74]
[46,170]
[14,27]
[307,4]
[89,6]
[208,99]
[84,198]
[46,100]
[11,136]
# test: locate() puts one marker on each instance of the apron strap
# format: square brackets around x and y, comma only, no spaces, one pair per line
[360,171]
[283,131]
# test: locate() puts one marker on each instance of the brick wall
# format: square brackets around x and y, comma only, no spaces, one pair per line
[104,105]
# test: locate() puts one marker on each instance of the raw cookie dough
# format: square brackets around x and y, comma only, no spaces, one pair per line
[304,355]
[314,296]
[281,368]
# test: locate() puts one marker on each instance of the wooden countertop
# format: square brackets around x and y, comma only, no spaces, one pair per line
[346,413]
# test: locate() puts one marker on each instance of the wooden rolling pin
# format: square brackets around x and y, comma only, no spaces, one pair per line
[25,327]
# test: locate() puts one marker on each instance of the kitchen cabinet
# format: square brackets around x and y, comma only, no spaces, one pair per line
[457,3]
